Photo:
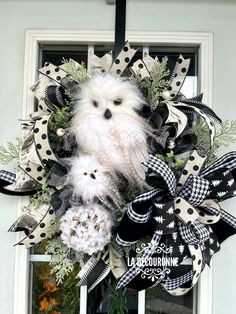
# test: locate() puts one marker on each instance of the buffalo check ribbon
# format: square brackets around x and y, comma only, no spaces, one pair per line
[190,213]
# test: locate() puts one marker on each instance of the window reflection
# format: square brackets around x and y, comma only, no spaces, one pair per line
[160,302]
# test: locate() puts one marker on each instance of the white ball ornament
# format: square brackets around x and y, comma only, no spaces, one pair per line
[86,229]
[171,144]
[165,94]
[61,132]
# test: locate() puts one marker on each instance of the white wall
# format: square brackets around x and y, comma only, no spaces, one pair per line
[166,15]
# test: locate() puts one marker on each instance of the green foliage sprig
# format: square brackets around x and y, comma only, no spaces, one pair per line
[11,152]
[118,299]
[42,196]
[171,161]
[203,135]
[77,72]
[154,87]
[71,298]
[225,135]
[60,263]
[59,120]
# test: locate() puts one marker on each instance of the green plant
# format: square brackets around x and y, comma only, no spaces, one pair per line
[154,87]
[11,152]
[225,135]
[77,72]
[60,263]
[171,161]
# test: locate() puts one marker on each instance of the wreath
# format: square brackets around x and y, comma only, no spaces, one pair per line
[123,174]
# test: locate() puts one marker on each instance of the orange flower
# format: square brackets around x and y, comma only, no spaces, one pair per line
[53,301]
[51,285]
[56,312]
[43,305]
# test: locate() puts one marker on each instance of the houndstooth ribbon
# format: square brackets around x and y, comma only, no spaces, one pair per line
[192,224]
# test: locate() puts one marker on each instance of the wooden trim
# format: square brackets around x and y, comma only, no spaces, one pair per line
[21,271]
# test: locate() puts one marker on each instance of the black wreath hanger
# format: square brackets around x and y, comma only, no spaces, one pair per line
[120,24]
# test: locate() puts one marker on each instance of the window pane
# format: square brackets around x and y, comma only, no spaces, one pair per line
[103,297]
[101,50]
[50,298]
[160,302]
[173,53]
[79,54]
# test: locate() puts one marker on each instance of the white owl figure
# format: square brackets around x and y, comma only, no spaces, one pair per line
[106,124]
[90,180]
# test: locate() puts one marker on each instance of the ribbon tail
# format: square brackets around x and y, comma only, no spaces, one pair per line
[194,102]
[38,233]
[93,272]
[132,278]
[225,227]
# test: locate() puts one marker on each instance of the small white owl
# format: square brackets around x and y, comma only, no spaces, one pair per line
[88,228]
[92,180]
[106,124]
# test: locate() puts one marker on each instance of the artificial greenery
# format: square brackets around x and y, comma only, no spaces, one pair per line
[71,298]
[42,196]
[225,135]
[60,262]
[77,72]
[154,87]
[203,135]
[118,299]
[61,118]
[171,161]
[11,152]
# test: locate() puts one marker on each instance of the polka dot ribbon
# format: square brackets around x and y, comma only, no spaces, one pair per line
[41,231]
[189,213]
[122,60]
[177,104]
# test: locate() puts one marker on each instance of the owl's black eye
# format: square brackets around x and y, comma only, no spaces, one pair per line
[85,173]
[95,103]
[95,170]
[117,102]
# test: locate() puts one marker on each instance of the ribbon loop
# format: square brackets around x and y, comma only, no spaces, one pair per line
[196,234]
[179,75]
[122,60]
[159,167]
[184,211]
[195,190]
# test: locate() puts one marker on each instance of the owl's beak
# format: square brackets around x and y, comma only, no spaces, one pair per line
[92,176]
[107,114]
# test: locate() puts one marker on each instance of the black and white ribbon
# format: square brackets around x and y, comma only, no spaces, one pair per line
[189,213]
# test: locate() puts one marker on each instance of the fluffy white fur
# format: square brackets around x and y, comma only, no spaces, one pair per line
[91,179]
[86,228]
[119,142]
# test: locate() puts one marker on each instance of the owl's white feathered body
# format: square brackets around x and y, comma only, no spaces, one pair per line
[106,124]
